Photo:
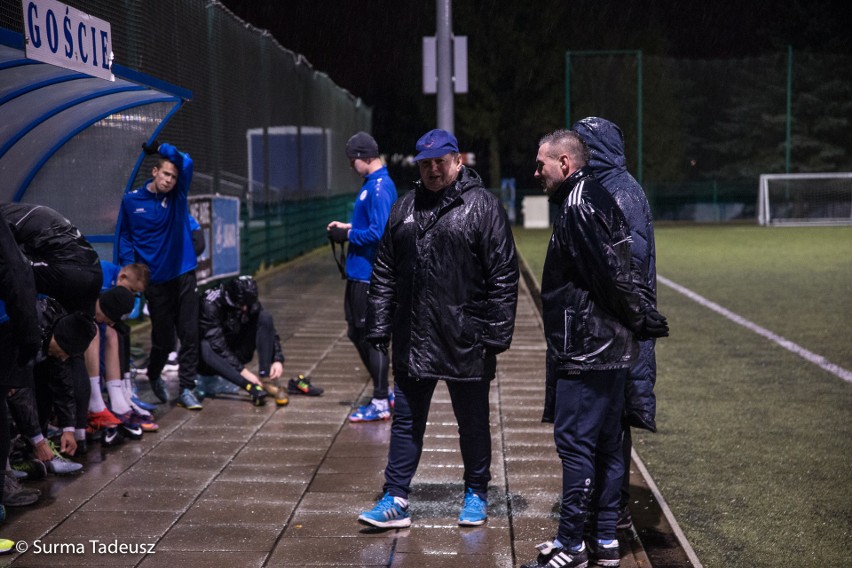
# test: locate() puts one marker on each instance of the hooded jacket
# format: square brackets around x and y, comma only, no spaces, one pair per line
[445,284]
[606,143]
[227,328]
[591,306]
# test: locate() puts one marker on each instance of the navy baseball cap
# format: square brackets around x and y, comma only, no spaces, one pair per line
[435,144]
[361,145]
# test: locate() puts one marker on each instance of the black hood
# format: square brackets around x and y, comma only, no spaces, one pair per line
[606,143]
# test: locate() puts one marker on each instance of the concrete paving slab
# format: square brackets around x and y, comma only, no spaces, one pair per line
[239,485]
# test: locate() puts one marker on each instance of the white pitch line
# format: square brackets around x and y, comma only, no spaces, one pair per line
[818,360]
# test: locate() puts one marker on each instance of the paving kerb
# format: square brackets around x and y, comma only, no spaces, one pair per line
[238,485]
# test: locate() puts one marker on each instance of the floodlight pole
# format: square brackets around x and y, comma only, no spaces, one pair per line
[443,41]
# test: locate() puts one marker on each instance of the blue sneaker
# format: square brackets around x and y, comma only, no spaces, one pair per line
[208,386]
[391,397]
[128,383]
[158,387]
[387,514]
[142,404]
[474,510]
[369,413]
[187,400]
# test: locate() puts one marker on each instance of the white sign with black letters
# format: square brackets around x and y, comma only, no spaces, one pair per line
[66,37]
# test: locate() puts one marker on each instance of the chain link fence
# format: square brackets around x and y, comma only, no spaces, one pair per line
[262,125]
[705,130]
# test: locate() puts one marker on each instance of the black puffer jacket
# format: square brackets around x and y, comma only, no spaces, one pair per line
[55,374]
[590,303]
[45,235]
[226,327]
[17,306]
[447,290]
[607,163]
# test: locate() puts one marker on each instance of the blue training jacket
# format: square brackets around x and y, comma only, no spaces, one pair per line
[110,271]
[372,208]
[154,229]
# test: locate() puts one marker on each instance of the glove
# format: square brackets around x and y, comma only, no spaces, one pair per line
[338,234]
[654,325]
[152,148]
[379,344]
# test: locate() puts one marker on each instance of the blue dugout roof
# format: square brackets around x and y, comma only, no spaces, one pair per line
[43,106]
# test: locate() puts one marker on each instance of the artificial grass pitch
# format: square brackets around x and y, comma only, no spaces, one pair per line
[754,448]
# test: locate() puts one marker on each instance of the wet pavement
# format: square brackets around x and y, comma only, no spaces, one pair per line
[238,485]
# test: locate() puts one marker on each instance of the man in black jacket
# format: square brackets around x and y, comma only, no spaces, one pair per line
[233,326]
[19,330]
[445,286]
[63,336]
[594,314]
[608,165]
[64,264]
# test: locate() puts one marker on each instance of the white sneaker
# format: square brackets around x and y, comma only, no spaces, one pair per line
[60,465]
[127,391]
[172,365]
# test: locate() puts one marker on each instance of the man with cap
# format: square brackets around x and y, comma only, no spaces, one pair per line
[49,387]
[64,336]
[234,326]
[445,288]
[19,342]
[364,233]
[114,304]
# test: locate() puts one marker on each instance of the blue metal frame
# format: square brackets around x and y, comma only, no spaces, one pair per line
[165,92]
[35,86]
[15,40]
[11,39]
[38,165]
[137,77]
[56,110]
[156,133]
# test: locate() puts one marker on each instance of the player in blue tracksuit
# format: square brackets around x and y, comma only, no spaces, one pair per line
[364,233]
[154,229]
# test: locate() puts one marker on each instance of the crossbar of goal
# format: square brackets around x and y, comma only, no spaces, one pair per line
[805,199]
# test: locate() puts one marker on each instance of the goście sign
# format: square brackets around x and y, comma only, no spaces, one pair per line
[65,37]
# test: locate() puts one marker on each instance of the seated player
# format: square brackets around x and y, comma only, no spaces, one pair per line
[233,326]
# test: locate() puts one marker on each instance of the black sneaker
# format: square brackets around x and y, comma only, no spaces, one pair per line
[257,393]
[551,556]
[110,437]
[15,494]
[625,519]
[130,426]
[302,385]
[158,387]
[604,555]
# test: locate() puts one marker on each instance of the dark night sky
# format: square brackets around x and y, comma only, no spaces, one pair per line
[354,42]
[373,47]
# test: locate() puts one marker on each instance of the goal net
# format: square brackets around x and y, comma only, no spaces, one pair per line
[805,199]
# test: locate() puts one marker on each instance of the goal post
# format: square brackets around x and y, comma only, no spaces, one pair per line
[805,199]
